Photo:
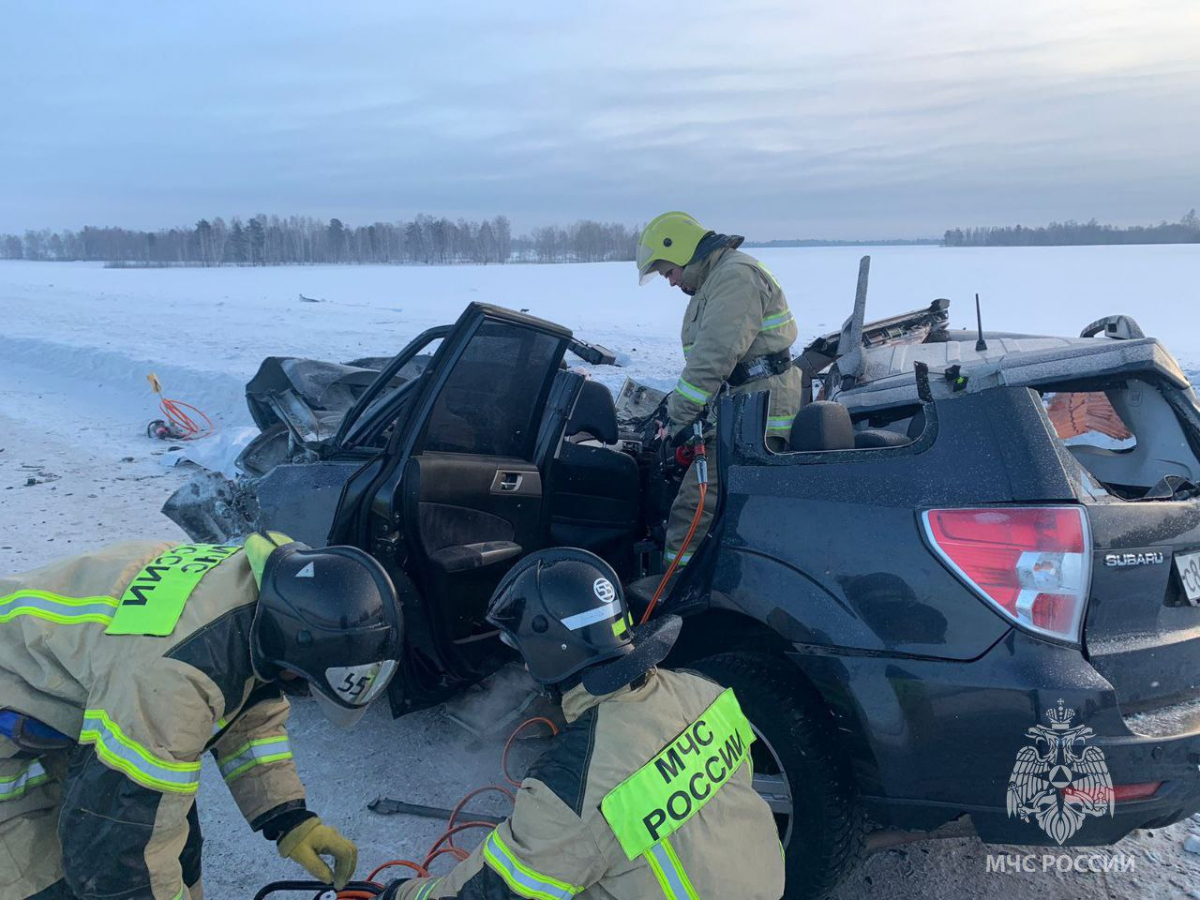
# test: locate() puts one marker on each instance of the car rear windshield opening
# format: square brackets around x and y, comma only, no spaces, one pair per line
[1127,437]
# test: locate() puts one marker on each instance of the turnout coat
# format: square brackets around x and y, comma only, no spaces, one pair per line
[738,313]
[109,804]
[737,316]
[646,793]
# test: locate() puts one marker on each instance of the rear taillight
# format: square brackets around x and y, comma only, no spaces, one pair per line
[1135,791]
[1031,563]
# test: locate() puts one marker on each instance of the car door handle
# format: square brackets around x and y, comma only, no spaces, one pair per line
[521,483]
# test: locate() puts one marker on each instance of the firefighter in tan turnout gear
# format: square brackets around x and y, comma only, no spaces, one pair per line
[647,791]
[121,667]
[737,331]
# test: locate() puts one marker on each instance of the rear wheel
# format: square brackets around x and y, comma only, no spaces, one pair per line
[798,770]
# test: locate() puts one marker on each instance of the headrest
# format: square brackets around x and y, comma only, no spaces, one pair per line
[823,425]
[594,413]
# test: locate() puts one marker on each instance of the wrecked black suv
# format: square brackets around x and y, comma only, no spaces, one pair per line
[966,597]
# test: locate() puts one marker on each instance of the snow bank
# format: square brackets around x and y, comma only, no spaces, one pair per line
[123,375]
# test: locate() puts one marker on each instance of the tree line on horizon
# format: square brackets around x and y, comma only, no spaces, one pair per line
[302,240]
[1070,233]
[428,240]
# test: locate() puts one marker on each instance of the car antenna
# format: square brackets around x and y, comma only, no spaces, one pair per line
[981,344]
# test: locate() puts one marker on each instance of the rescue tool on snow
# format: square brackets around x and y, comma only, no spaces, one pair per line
[178,425]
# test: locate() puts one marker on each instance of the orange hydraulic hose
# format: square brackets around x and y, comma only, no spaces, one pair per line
[512,737]
[416,867]
[190,429]
[499,789]
[682,550]
[434,851]
[457,852]
[174,411]
[447,837]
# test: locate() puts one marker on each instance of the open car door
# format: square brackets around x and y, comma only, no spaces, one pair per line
[456,497]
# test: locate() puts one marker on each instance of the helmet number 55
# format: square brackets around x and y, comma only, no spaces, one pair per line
[353,687]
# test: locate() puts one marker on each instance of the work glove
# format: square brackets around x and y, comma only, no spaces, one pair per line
[308,841]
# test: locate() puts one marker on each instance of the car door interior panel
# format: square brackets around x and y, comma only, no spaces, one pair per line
[462,557]
[594,489]
[470,528]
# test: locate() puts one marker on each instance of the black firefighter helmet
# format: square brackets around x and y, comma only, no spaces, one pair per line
[564,611]
[329,617]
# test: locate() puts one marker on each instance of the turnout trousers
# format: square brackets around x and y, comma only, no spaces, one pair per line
[683,509]
[31,791]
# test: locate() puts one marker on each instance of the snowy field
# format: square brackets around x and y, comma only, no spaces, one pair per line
[204,331]
[76,468]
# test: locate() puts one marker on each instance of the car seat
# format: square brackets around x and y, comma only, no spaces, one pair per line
[822,425]
[879,437]
[594,491]
[826,425]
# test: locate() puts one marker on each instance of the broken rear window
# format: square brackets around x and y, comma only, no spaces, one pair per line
[1087,418]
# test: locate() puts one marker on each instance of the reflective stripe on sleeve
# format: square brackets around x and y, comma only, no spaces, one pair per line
[424,892]
[780,423]
[669,871]
[521,879]
[55,608]
[770,323]
[123,753]
[687,348]
[690,391]
[14,787]
[254,753]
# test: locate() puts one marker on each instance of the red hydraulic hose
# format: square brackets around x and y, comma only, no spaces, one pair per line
[702,477]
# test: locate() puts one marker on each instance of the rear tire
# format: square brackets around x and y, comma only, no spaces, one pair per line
[796,757]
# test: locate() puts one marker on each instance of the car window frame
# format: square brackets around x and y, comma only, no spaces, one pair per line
[353,425]
[529,452]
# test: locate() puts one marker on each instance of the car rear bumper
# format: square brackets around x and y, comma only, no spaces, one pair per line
[931,741]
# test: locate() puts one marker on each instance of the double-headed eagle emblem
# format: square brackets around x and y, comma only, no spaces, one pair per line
[1059,780]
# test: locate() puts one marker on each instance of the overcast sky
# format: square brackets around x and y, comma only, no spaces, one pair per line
[839,119]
